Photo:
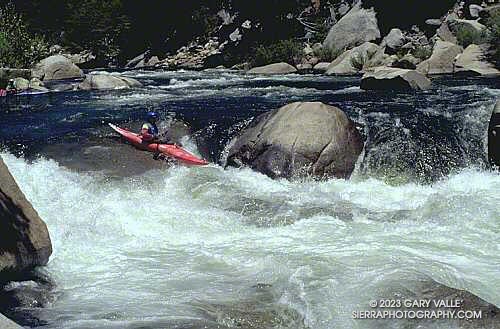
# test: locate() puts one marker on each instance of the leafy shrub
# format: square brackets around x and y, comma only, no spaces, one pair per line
[467,36]
[422,52]
[289,51]
[326,54]
[358,61]
[18,47]
[493,24]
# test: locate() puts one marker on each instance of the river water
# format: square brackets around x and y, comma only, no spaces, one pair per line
[191,247]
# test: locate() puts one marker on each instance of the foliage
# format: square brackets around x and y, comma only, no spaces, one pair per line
[96,25]
[359,60]
[326,54]
[493,24]
[288,51]
[467,36]
[422,52]
[18,47]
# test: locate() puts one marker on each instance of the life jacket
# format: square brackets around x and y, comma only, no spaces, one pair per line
[151,127]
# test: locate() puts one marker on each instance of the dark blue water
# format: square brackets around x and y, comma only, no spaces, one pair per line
[424,134]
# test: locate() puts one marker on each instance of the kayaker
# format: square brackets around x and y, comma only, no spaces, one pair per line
[11,87]
[149,130]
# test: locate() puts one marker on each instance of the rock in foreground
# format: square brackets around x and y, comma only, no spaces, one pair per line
[5,323]
[494,136]
[56,67]
[275,68]
[299,139]
[386,78]
[25,241]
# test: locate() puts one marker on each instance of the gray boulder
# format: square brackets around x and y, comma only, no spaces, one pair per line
[441,60]
[108,81]
[138,59]
[275,68]
[494,136]
[6,323]
[433,21]
[359,25]
[444,33]
[56,67]
[474,10]
[25,239]
[388,78]
[354,60]
[321,67]
[473,60]
[22,84]
[297,140]
[394,40]
[408,61]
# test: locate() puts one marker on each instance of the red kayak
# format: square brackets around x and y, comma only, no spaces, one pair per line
[170,150]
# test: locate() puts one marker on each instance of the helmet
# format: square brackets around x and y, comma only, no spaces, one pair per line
[152,116]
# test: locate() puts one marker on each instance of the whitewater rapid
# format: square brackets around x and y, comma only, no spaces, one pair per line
[149,247]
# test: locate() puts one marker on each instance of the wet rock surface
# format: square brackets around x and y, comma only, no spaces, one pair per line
[25,239]
[106,152]
[299,139]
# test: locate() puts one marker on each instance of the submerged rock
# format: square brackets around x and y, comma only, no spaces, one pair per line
[358,26]
[299,139]
[408,287]
[275,68]
[108,81]
[56,67]
[441,60]
[386,78]
[106,153]
[25,241]
[473,60]
[494,136]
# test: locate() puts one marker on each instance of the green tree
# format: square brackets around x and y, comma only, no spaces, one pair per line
[18,47]
[99,26]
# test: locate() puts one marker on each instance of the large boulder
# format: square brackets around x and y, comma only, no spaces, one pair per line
[6,323]
[108,81]
[442,59]
[275,68]
[359,25]
[22,84]
[56,67]
[444,33]
[299,139]
[473,61]
[25,241]
[494,136]
[389,78]
[354,60]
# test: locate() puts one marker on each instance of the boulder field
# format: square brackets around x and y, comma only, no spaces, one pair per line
[299,139]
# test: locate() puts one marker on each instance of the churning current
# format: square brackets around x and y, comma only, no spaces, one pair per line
[201,247]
